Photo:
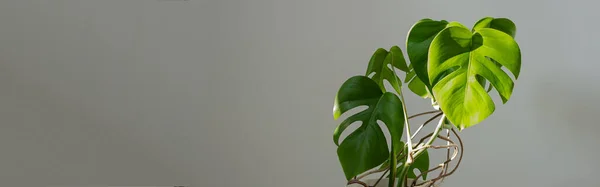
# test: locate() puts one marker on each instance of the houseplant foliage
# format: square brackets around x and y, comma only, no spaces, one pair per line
[455,67]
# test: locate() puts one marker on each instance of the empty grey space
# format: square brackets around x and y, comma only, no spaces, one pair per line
[240,92]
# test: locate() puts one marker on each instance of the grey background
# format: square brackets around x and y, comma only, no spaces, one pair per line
[240,92]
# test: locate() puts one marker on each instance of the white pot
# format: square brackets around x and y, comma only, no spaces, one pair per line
[384,183]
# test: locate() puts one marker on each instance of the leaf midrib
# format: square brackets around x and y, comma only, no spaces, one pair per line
[375,110]
[467,83]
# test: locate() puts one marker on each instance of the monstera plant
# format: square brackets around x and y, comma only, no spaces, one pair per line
[457,68]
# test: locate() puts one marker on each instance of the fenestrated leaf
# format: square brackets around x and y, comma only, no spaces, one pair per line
[417,46]
[366,147]
[459,57]
[380,63]
[502,24]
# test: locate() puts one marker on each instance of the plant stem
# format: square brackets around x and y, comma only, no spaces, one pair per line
[377,182]
[370,172]
[435,135]
[357,182]
[407,124]
[426,122]
[423,113]
[407,164]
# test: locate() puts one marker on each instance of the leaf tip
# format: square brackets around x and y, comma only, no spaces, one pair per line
[336,109]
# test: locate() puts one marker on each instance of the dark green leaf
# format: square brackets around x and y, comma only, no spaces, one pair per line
[393,164]
[366,147]
[457,57]
[417,46]
[386,164]
[380,63]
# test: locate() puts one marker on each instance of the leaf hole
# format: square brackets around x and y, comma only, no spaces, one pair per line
[387,85]
[389,66]
[386,133]
[371,74]
[510,74]
[482,81]
[417,172]
[396,70]
[351,128]
[353,111]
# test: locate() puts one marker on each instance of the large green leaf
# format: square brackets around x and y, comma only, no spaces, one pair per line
[457,57]
[417,46]
[502,24]
[380,64]
[366,147]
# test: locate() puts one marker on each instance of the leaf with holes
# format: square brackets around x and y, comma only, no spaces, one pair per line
[366,147]
[502,24]
[458,58]
[380,65]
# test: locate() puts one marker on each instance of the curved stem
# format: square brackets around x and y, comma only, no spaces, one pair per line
[426,122]
[377,182]
[357,182]
[407,124]
[444,173]
[410,155]
[409,159]
[371,172]
[423,113]
[434,136]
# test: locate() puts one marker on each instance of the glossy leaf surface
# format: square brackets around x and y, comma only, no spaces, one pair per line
[366,147]
[380,66]
[418,41]
[459,59]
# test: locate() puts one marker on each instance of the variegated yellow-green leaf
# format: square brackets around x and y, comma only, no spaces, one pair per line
[502,24]
[458,58]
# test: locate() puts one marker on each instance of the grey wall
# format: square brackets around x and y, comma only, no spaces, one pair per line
[239,93]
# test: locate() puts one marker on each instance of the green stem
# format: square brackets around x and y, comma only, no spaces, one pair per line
[407,124]
[406,165]
[434,136]
[393,160]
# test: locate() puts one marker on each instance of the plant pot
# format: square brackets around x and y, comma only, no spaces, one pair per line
[384,183]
